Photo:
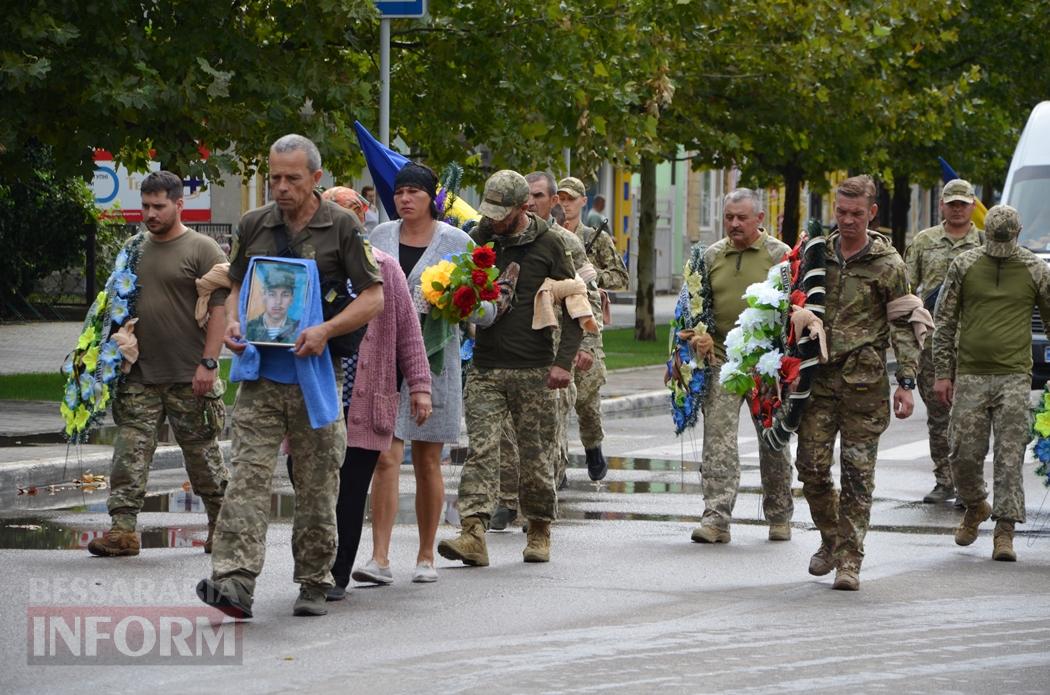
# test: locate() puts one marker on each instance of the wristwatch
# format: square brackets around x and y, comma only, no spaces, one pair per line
[907,383]
[209,363]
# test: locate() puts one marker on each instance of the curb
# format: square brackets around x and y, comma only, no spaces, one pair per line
[637,401]
[50,470]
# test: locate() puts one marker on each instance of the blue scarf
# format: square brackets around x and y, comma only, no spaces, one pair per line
[315,375]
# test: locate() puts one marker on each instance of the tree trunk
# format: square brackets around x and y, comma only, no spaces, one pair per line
[899,208]
[792,190]
[644,324]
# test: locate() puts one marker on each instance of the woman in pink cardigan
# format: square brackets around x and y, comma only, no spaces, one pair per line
[391,350]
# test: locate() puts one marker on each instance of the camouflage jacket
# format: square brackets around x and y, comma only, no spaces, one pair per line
[612,273]
[592,342]
[855,319]
[931,252]
[984,313]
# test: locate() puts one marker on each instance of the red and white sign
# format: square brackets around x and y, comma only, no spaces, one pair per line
[116,191]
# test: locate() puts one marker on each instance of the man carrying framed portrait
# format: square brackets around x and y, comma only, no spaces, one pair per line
[276,299]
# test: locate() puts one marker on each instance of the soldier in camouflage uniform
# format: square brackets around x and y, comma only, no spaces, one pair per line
[744,256]
[931,252]
[175,375]
[274,406]
[542,192]
[517,370]
[610,275]
[982,351]
[849,395]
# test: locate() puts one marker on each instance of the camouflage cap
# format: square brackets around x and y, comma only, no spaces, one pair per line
[958,189]
[504,191]
[573,186]
[275,276]
[1002,223]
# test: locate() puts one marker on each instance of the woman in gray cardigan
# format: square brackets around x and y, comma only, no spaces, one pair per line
[418,240]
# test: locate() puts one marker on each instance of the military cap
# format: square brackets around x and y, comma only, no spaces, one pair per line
[1002,223]
[504,191]
[573,186]
[278,277]
[958,189]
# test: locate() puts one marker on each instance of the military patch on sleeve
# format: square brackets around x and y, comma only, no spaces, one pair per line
[368,254]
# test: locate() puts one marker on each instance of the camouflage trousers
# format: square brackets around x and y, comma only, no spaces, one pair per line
[859,414]
[491,397]
[936,418]
[264,413]
[508,450]
[589,402]
[720,466]
[196,422]
[996,404]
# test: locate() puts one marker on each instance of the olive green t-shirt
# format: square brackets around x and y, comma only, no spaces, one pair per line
[731,271]
[171,343]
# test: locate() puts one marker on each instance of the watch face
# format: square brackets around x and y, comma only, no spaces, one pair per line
[209,363]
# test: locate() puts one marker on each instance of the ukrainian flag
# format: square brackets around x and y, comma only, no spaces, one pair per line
[979,210]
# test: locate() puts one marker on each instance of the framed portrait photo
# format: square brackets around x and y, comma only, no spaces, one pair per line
[277,296]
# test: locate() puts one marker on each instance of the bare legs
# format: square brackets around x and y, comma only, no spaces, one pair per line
[430,497]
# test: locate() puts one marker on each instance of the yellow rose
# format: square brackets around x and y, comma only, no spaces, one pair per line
[441,273]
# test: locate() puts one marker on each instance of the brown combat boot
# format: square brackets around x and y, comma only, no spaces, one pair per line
[847,577]
[710,534]
[780,531]
[211,537]
[822,562]
[116,543]
[469,546]
[538,548]
[1003,542]
[975,514]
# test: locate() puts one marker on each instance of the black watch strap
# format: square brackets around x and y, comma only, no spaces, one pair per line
[209,363]
[907,383]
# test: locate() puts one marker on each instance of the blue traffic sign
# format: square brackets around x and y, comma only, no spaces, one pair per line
[402,8]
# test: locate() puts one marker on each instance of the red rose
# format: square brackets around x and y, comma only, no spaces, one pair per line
[490,293]
[789,368]
[465,300]
[484,257]
[479,277]
[798,298]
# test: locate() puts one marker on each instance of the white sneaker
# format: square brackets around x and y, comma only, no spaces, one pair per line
[372,573]
[425,573]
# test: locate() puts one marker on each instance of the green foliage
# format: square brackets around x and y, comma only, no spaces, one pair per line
[622,350]
[44,220]
[134,76]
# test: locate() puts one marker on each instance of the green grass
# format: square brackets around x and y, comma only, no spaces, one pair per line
[48,386]
[622,350]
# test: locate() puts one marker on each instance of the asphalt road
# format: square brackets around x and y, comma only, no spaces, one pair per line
[627,605]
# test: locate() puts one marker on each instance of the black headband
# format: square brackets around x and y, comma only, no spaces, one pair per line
[417,176]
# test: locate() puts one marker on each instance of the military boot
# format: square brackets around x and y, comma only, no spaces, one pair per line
[211,537]
[311,601]
[597,467]
[1003,542]
[501,518]
[940,493]
[116,543]
[967,531]
[710,534]
[469,546]
[780,531]
[822,561]
[847,577]
[228,595]
[538,548]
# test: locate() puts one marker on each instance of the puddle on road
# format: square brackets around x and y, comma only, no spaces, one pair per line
[50,521]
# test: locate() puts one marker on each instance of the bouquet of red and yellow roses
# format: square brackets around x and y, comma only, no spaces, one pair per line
[455,286]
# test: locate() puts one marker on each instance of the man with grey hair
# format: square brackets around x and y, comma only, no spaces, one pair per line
[743,257]
[982,352]
[282,401]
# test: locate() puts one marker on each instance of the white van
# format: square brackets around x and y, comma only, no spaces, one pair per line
[1028,190]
